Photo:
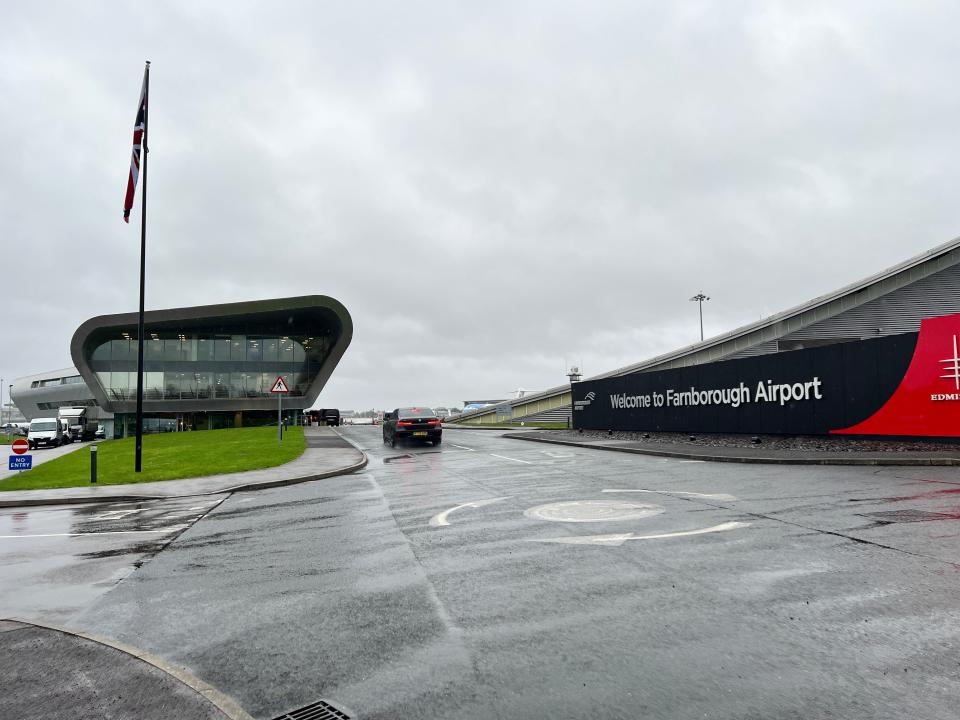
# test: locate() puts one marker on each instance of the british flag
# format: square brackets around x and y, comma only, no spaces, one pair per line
[138,130]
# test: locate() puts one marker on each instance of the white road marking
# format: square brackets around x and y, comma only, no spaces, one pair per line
[578,511]
[440,519]
[692,461]
[463,447]
[172,528]
[620,538]
[117,514]
[504,457]
[709,496]
[554,455]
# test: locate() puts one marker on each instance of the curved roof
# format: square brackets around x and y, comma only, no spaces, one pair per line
[319,310]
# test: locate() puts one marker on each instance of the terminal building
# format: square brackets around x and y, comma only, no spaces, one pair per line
[204,367]
[883,351]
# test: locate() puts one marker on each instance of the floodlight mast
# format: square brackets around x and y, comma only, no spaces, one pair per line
[699,298]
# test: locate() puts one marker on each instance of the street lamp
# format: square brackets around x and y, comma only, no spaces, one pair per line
[699,298]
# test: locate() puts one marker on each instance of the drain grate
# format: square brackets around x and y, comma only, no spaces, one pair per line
[320,710]
[325,441]
[901,516]
[394,458]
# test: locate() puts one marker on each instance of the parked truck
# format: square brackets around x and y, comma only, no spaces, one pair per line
[79,426]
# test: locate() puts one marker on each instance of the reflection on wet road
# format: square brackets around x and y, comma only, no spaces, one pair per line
[57,560]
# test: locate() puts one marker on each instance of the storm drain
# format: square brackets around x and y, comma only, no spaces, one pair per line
[320,710]
[395,458]
[902,516]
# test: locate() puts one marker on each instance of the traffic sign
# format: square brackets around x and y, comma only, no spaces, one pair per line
[20,446]
[21,462]
[280,386]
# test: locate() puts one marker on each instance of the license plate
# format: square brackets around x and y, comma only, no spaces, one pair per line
[420,434]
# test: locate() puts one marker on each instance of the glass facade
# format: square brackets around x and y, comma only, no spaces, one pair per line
[202,366]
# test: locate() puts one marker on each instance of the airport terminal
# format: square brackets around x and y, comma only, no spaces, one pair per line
[882,353]
[205,367]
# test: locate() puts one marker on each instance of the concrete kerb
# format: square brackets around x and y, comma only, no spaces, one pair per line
[793,460]
[227,705]
[140,497]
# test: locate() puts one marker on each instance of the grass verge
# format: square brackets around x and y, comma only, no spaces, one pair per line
[167,457]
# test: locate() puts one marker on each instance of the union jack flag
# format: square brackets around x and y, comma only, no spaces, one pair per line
[138,129]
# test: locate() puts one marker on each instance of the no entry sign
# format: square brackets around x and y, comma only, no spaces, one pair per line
[20,446]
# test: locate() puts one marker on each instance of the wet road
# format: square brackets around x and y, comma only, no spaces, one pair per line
[56,561]
[497,578]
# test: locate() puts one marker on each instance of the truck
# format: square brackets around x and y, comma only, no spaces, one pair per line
[80,427]
[45,431]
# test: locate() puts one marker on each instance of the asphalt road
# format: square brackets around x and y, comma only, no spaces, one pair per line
[449,582]
[57,561]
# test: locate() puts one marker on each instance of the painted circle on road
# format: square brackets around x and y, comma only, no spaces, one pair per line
[20,446]
[577,511]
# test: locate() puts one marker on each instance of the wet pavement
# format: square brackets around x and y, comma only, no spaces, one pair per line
[490,577]
[55,561]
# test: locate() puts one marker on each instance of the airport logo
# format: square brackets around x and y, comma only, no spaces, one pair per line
[581,404]
[952,369]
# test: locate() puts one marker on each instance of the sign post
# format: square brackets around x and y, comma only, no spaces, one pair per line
[279,387]
[19,460]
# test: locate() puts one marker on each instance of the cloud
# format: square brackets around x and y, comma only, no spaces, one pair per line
[493,191]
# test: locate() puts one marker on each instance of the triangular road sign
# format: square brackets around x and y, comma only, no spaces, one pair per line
[280,386]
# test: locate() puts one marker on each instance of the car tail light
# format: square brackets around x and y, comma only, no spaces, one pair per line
[404,423]
[433,422]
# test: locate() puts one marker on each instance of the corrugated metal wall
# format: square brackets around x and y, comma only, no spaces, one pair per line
[897,312]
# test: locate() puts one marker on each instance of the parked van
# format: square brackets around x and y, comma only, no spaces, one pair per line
[45,431]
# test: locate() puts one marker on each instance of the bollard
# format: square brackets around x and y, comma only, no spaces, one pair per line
[93,463]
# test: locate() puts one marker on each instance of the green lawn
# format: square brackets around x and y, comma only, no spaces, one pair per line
[7,439]
[167,457]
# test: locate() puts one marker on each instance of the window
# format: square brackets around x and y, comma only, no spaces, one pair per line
[72,380]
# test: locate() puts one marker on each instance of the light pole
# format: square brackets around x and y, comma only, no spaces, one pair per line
[699,298]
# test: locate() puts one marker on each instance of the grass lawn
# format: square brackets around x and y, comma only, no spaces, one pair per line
[167,457]
[8,439]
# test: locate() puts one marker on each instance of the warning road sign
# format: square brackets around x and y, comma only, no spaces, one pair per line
[280,386]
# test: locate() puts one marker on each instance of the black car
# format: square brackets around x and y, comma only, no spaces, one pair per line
[414,423]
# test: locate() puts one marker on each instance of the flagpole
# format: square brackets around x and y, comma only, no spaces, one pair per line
[143,254]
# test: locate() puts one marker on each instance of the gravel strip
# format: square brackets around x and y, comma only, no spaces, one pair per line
[775,442]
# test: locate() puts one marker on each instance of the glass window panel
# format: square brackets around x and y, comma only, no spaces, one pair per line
[171,386]
[238,347]
[286,350]
[154,349]
[266,382]
[102,352]
[299,355]
[120,350]
[270,350]
[171,349]
[152,385]
[204,349]
[204,383]
[188,385]
[254,349]
[188,349]
[252,382]
[222,348]
[221,385]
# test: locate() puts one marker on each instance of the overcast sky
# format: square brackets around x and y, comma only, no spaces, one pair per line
[495,191]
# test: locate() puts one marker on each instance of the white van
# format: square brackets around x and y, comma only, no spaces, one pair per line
[45,431]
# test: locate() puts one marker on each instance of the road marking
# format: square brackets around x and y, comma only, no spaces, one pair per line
[554,455]
[620,538]
[577,511]
[117,514]
[172,528]
[709,496]
[504,457]
[463,447]
[440,519]
[692,461]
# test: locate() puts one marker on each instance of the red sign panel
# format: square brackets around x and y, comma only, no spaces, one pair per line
[927,402]
[20,446]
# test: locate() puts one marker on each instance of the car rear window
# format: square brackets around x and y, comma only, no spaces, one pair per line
[421,412]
